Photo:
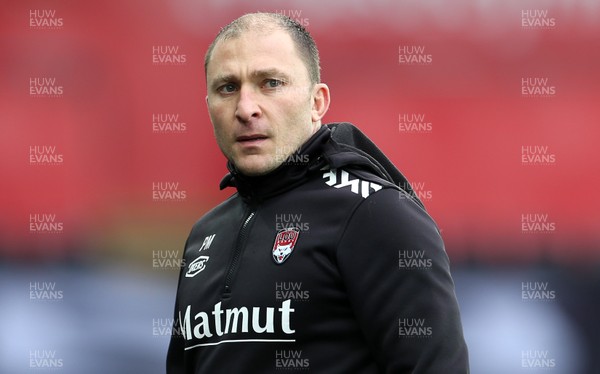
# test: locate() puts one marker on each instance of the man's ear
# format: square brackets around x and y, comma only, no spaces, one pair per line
[320,101]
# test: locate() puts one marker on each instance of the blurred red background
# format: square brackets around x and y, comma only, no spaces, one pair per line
[468,162]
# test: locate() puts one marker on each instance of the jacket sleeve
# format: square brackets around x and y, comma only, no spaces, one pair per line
[394,265]
[175,354]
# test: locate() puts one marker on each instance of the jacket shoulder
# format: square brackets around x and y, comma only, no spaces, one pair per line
[218,212]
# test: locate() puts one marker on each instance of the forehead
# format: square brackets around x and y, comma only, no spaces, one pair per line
[253,50]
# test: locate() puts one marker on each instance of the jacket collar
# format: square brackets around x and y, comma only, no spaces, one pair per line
[334,145]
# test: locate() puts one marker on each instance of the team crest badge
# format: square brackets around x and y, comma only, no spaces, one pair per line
[284,244]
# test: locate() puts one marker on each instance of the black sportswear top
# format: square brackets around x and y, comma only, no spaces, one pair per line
[328,264]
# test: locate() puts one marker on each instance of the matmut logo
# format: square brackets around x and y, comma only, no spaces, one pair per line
[357,186]
[243,321]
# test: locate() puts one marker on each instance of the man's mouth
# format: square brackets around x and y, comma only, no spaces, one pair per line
[251,139]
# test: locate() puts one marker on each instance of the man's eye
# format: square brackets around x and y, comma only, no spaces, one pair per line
[227,88]
[274,83]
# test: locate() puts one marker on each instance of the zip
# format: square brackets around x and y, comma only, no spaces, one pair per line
[237,251]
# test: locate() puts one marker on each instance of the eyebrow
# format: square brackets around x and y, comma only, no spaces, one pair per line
[262,73]
[219,79]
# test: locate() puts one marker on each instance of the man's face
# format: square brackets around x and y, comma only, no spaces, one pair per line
[260,100]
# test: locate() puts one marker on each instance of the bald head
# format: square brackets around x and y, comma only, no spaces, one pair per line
[267,23]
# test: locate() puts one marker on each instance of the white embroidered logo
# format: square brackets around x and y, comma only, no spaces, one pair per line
[357,186]
[199,263]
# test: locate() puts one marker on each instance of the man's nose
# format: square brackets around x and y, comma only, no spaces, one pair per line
[247,106]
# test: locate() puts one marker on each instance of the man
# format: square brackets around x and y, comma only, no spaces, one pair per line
[320,261]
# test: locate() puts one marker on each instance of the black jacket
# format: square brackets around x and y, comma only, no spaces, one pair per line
[324,264]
